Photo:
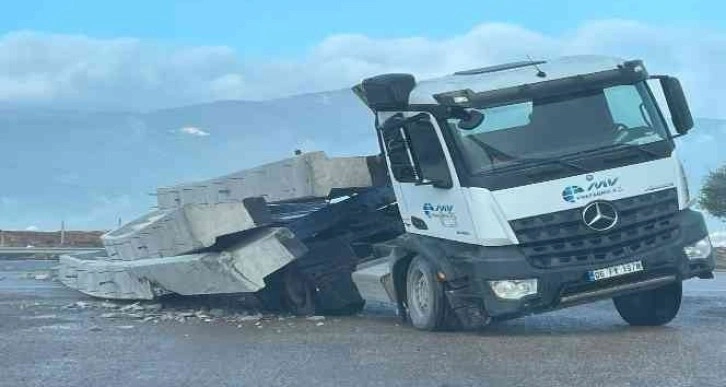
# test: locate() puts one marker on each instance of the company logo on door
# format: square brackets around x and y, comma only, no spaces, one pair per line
[432,210]
[444,212]
[594,189]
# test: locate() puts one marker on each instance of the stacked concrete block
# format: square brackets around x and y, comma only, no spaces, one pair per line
[174,249]
[172,232]
[103,278]
[238,269]
[305,176]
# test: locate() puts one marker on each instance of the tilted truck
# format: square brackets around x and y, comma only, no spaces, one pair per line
[532,186]
[499,192]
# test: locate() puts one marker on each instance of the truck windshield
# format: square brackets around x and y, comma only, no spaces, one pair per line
[560,125]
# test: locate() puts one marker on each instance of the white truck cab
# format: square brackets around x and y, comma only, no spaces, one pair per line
[536,185]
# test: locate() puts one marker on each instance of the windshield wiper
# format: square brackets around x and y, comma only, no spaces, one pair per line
[492,152]
[550,160]
[511,161]
[622,145]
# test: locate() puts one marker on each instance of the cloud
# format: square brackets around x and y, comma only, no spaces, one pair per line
[32,228]
[194,131]
[79,71]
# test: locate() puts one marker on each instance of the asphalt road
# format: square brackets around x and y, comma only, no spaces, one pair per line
[43,342]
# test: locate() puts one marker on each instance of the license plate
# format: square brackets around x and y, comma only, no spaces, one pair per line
[615,271]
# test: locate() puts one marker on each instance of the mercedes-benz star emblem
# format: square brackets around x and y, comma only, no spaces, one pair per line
[600,216]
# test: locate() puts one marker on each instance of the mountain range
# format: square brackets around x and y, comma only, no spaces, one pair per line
[92,169]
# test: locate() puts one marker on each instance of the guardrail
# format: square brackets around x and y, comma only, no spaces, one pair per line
[9,251]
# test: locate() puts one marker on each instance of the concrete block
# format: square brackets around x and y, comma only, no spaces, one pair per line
[305,176]
[173,232]
[103,278]
[239,269]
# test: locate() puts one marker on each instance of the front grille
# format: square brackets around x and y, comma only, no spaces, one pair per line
[561,238]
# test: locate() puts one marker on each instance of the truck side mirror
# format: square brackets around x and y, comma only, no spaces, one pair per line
[677,103]
[428,154]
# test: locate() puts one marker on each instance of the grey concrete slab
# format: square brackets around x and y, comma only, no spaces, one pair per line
[308,175]
[238,269]
[177,231]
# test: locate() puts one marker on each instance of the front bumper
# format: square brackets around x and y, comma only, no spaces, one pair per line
[471,297]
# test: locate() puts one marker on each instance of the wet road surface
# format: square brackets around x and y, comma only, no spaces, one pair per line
[44,342]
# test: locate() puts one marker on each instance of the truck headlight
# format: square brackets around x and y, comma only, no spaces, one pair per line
[514,289]
[699,250]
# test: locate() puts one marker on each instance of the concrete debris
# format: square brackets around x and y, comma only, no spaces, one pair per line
[305,176]
[268,232]
[240,269]
[251,318]
[316,318]
[201,314]
[109,305]
[132,307]
[168,233]
[113,315]
[320,324]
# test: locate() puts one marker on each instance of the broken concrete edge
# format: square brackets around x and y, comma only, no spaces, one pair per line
[240,269]
[173,232]
[309,175]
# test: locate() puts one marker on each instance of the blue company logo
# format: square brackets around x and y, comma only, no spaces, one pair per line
[431,210]
[595,188]
[569,193]
[427,208]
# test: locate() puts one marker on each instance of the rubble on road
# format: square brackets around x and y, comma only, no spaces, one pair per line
[153,312]
[40,276]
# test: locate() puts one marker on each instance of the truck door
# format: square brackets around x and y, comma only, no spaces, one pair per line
[431,201]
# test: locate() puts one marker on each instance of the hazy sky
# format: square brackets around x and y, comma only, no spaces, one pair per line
[145,55]
[262,29]
[142,55]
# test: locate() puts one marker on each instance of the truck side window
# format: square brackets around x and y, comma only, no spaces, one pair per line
[428,153]
[399,156]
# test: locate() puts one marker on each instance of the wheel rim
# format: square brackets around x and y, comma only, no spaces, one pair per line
[421,297]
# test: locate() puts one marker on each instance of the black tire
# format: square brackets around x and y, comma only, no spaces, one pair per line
[652,307]
[298,293]
[426,305]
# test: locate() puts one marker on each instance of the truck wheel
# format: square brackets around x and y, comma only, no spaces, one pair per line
[299,293]
[425,296]
[652,307]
